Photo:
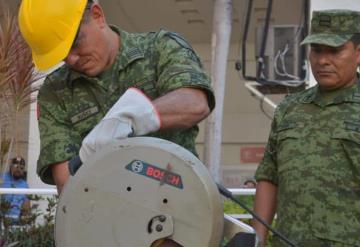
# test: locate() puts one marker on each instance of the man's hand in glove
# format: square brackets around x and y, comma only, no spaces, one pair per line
[132,114]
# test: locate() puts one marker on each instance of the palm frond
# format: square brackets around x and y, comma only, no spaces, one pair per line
[18,77]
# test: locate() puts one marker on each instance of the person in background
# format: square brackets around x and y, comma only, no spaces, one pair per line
[310,173]
[17,204]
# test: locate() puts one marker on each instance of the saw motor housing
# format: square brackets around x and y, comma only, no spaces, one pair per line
[136,191]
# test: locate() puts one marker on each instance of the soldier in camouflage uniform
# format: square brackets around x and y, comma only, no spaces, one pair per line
[310,173]
[101,63]
[95,86]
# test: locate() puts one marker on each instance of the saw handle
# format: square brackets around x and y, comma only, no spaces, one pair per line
[74,164]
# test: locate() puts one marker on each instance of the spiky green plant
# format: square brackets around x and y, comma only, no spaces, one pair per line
[17,82]
[27,232]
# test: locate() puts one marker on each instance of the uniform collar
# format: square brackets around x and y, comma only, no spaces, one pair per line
[315,95]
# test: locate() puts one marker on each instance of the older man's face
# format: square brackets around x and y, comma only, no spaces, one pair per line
[335,67]
[90,53]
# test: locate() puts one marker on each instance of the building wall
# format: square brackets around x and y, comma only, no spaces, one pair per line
[245,127]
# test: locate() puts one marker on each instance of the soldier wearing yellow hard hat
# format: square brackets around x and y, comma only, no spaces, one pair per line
[113,83]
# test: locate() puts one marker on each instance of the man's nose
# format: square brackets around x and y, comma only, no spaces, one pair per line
[323,58]
[71,58]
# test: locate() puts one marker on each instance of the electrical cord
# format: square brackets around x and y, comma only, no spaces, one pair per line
[225,192]
[260,76]
[281,56]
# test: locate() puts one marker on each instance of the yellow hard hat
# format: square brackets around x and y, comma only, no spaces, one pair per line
[49,27]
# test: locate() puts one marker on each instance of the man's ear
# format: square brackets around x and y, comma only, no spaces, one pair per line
[97,14]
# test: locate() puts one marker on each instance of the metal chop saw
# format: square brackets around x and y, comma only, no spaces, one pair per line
[142,189]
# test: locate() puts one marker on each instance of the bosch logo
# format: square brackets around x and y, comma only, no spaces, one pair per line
[156,173]
[137,166]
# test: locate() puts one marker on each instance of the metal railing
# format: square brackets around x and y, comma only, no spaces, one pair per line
[30,191]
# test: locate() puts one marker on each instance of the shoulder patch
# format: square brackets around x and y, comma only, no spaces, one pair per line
[179,39]
[134,53]
[286,126]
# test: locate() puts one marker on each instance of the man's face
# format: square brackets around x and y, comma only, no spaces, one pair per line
[90,53]
[17,170]
[334,67]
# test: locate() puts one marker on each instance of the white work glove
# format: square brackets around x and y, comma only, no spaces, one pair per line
[132,114]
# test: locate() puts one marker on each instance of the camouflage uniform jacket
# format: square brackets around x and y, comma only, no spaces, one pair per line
[313,156]
[71,104]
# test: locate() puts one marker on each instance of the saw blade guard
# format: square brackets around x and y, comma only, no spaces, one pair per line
[136,191]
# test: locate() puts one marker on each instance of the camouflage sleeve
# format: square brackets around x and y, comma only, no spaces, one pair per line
[179,66]
[57,140]
[267,169]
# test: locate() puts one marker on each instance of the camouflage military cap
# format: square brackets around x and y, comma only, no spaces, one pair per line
[333,27]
